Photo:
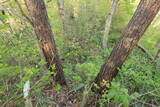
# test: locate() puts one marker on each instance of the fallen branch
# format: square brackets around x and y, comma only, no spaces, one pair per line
[146,51]
[157,55]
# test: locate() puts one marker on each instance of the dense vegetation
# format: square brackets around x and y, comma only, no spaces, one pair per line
[79,44]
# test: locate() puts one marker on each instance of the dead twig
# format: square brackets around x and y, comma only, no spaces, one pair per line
[146,52]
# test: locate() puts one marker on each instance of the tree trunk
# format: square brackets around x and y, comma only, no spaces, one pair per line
[142,18]
[61,8]
[60,4]
[108,23]
[38,13]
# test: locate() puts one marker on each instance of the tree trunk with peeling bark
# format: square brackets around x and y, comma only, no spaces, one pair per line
[38,14]
[108,23]
[142,18]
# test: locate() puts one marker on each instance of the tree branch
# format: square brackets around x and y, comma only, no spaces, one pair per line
[145,51]
[157,55]
[22,12]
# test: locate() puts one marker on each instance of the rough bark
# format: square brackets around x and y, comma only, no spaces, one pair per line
[108,23]
[142,18]
[38,14]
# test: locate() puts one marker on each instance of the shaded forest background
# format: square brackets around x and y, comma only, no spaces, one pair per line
[78,36]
